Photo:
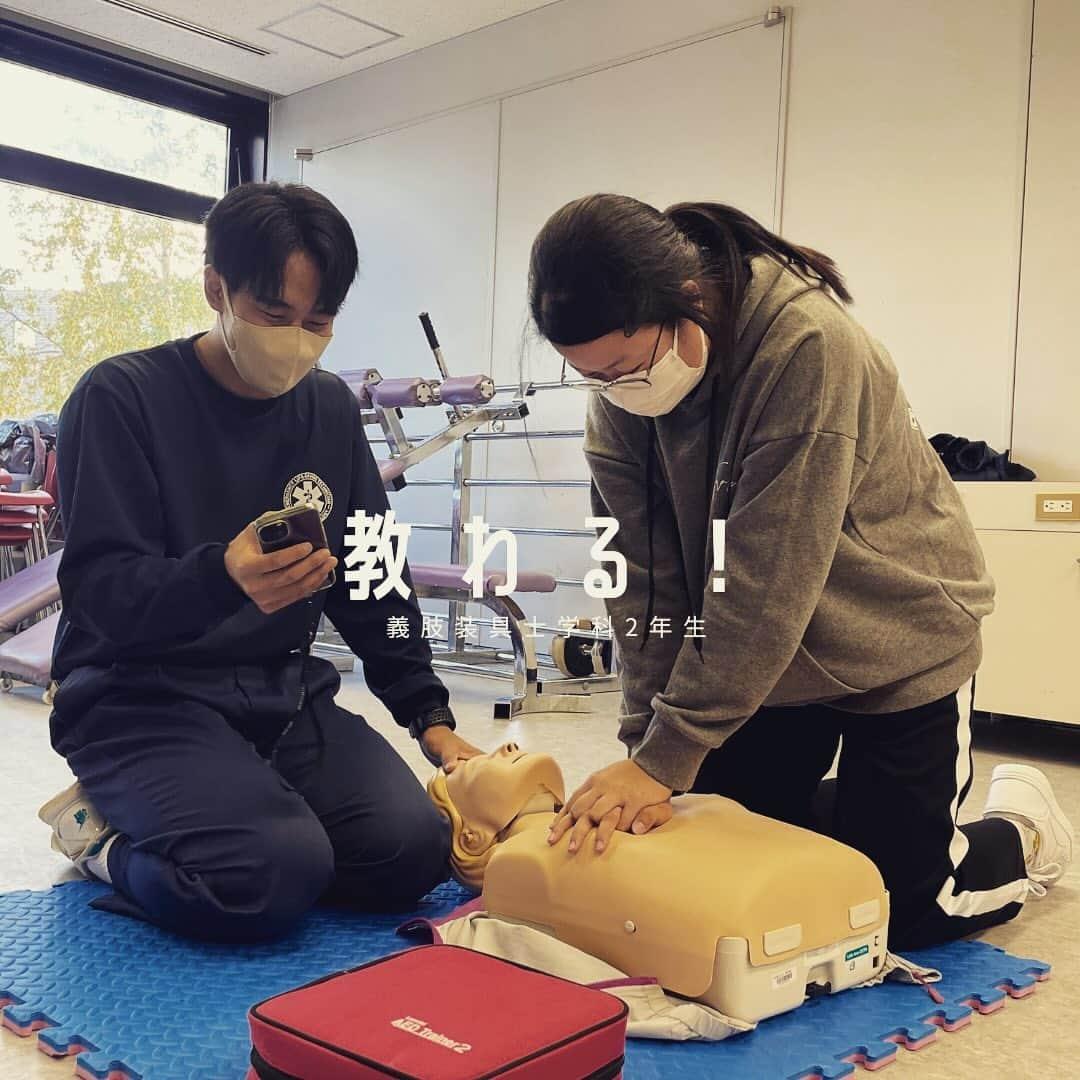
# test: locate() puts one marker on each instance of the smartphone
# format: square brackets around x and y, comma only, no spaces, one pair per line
[277,529]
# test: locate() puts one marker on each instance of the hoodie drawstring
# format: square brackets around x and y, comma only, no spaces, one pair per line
[697,602]
[649,530]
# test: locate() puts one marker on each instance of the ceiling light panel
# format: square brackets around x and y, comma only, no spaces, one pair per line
[331,31]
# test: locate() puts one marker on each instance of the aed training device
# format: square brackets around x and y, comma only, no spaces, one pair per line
[443,1013]
[279,529]
[746,914]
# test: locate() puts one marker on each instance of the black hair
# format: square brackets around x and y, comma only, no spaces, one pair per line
[252,231]
[610,262]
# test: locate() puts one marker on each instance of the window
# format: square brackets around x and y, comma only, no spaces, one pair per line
[96,127]
[105,175]
[80,281]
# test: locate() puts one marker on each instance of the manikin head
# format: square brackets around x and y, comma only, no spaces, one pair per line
[485,794]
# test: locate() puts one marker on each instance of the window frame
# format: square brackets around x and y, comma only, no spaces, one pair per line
[246,119]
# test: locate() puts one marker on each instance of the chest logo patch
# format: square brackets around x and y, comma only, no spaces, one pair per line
[307,489]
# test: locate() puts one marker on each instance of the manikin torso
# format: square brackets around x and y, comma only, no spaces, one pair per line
[719,905]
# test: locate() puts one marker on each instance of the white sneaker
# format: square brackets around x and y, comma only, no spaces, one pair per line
[1022,794]
[79,831]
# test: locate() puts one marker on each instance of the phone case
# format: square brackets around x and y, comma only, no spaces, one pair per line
[303,525]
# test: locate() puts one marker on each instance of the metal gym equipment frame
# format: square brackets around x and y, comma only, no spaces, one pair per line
[531,693]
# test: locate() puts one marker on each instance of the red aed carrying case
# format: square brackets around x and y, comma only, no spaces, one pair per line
[439,1012]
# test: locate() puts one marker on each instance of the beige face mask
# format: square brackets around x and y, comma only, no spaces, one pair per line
[272,359]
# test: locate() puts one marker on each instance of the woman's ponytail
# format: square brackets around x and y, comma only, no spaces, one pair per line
[729,237]
[608,262]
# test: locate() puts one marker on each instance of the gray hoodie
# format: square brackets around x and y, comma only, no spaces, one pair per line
[853,575]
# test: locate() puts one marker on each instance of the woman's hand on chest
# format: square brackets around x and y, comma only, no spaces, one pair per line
[619,797]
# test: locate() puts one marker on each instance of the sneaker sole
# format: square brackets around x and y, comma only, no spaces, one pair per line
[1027,774]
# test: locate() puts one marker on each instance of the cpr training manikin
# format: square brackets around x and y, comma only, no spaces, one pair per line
[737,912]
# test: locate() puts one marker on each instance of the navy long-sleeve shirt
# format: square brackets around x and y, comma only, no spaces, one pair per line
[160,467]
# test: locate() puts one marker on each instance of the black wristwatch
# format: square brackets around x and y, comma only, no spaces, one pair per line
[432,718]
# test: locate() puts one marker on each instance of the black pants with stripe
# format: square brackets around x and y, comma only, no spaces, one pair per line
[901,780]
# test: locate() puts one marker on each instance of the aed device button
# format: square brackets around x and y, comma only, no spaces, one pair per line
[864,914]
[782,940]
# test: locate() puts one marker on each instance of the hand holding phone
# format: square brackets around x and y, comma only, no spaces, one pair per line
[281,557]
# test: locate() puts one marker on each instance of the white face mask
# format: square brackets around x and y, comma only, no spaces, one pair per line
[670,380]
[272,359]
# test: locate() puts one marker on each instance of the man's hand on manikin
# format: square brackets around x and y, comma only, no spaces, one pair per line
[447,747]
[622,797]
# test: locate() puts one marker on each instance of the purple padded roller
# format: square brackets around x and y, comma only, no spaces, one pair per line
[467,390]
[28,656]
[27,592]
[402,393]
[360,383]
[448,576]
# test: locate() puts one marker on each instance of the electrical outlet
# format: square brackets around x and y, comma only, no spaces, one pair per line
[1061,506]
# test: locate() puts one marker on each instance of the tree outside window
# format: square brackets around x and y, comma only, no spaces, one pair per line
[79,280]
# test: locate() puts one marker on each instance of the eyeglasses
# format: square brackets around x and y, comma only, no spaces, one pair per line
[633,378]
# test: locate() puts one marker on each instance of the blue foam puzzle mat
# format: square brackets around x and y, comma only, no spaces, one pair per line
[132,1001]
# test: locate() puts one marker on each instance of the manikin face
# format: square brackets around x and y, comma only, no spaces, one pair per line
[490,790]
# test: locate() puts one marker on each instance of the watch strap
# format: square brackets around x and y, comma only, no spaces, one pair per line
[440,716]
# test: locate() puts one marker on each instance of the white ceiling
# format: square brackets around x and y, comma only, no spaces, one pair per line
[309,42]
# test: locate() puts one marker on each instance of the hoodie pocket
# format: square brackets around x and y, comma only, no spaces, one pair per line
[806,682]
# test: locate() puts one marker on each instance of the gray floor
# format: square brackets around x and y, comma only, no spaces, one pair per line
[1032,1037]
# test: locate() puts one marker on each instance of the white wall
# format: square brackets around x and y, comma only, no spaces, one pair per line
[904,156]
[905,164]
[557,40]
[1047,435]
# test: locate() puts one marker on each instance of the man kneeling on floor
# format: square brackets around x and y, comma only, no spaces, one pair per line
[221,790]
